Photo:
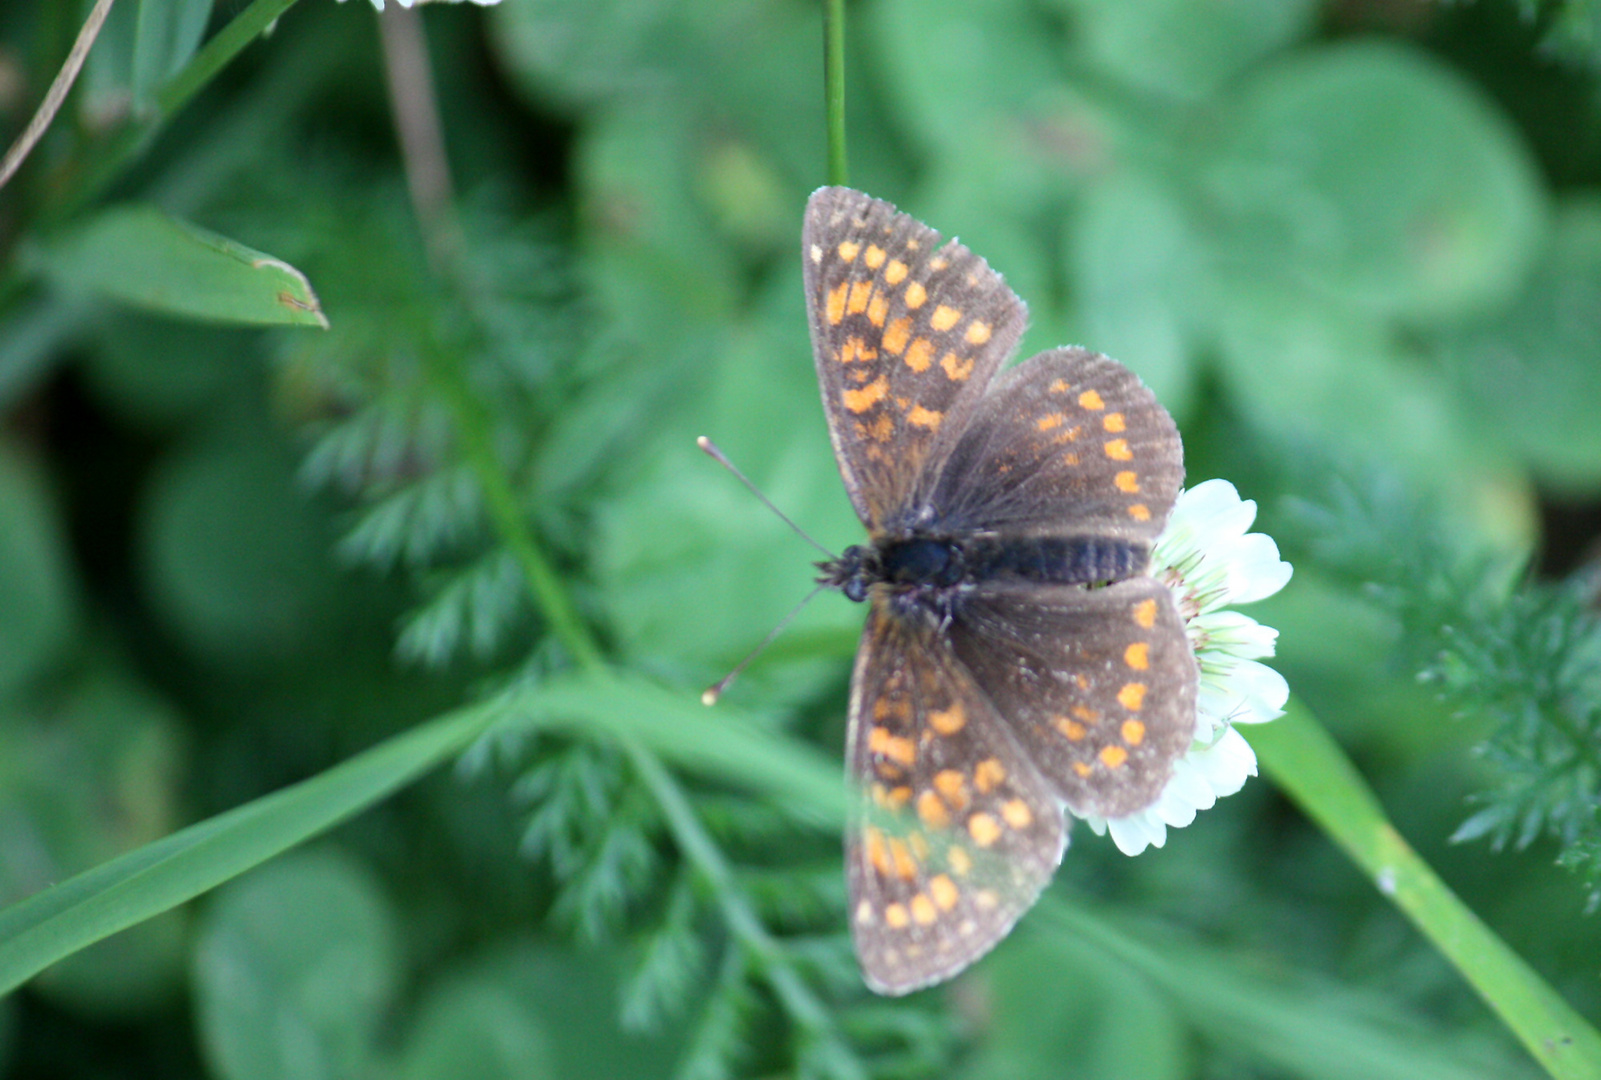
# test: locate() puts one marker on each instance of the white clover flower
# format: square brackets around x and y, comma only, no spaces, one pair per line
[379,4]
[1210,562]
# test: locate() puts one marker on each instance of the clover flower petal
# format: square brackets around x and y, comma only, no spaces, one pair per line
[1210,561]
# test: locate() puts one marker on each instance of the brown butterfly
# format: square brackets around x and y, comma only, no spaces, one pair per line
[1017,656]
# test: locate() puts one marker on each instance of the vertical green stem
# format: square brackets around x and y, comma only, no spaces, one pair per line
[506,512]
[708,861]
[834,88]
[1309,766]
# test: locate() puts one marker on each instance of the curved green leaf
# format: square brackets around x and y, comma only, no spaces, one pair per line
[140,256]
[1302,759]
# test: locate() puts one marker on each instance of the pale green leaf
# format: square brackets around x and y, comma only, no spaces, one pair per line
[140,256]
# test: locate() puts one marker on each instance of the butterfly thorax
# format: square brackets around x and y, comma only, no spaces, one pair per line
[929,562]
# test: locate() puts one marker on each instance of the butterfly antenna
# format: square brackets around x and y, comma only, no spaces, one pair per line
[715,691]
[718,456]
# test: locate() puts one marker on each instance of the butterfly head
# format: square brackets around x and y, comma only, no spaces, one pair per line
[852,573]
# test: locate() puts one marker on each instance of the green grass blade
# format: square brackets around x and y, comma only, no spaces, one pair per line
[143,883]
[1289,1021]
[1306,763]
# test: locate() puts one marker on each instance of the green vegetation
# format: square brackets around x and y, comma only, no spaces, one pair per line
[359,574]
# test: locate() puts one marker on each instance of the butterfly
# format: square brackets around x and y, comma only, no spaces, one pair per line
[1017,658]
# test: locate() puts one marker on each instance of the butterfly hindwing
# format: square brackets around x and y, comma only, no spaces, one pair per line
[907,331]
[1069,440]
[1097,684]
[956,832]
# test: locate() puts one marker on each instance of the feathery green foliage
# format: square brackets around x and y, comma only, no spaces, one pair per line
[260,579]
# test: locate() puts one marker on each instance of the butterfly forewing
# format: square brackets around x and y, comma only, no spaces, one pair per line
[1097,684]
[907,331]
[956,831]
[1068,441]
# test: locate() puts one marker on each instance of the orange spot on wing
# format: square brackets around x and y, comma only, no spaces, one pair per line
[875,257]
[920,355]
[1113,422]
[1137,656]
[944,318]
[1085,713]
[895,747]
[961,862]
[860,291]
[1145,613]
[901,856]
[1089,399]
[1113,756]
[938,264]
[848,250]
[1128,482]
[856,349]
[1140,512]
[877,853]
[932,811]
[1046,423]
[1132,696]
[956,369]
[929,418]
[984,829]
[977,332]
[895,272]
[952,788]
[1058,386]
[1133,732]
[1017,814]
[836,302]
[859,401]
[923,910]
[1081,768]
[895,336]
[915,295]
[1071,729]
[948,721]
[877,308]
[988,775]
[895,915]
[1117,450]
[944,891]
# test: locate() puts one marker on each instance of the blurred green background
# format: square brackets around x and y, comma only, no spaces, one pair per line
[1354,246]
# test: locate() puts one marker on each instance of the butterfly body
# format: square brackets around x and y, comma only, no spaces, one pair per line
[939,566]
[1017,657]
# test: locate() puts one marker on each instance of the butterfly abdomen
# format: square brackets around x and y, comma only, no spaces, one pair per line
[973,560]
[1055,560]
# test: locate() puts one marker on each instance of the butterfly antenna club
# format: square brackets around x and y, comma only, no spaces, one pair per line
[710,695]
